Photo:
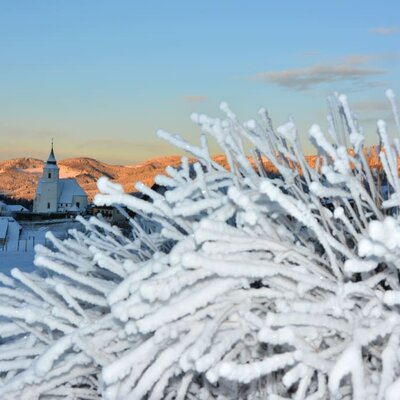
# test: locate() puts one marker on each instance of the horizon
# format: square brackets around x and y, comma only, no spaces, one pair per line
[102,77]
[60,160]
[148,160]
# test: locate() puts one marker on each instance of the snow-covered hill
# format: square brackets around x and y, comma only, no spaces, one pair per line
[18,177]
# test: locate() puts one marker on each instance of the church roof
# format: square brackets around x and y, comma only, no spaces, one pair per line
[52,159]
[69,188]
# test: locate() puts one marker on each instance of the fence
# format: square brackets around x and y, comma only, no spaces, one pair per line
[28,243]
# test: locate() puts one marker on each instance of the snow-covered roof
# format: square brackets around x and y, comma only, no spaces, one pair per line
[13,230]
[15,208]
[3,227]
[68,188]
[52,159]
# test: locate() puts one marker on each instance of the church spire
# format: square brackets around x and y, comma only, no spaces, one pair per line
[52,158]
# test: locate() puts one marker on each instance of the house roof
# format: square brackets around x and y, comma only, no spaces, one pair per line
[15,208]
[14,229]
[3,227]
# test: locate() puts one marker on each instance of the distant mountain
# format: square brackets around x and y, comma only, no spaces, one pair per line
[18,177]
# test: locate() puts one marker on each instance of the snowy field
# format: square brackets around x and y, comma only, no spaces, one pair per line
[19,253]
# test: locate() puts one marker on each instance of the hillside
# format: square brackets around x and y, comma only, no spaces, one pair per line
[18,177]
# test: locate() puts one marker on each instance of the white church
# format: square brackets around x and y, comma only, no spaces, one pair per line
[58,195]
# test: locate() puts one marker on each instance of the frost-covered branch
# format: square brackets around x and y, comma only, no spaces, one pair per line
[276,277]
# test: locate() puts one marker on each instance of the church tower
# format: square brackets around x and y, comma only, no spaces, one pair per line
[46,200]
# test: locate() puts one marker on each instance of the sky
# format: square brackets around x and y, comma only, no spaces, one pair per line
[100,77]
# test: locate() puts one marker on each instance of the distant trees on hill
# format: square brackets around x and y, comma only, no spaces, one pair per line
[28,204]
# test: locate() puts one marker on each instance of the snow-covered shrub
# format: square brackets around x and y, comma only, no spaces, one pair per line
[256,285]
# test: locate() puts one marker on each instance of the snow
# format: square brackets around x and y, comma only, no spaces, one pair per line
[69,188]
[68,172]
[19,252]
[349,363]
[16,259]
[247,372]
[34,171]
[11,208]
[3,227]
[231,284]
[9,230]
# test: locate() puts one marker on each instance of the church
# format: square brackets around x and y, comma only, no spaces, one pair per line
[55,195]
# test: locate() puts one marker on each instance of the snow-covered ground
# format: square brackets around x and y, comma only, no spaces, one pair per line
[20,252]
[13,259]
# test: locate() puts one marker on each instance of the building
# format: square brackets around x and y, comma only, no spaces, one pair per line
[55,195]
[15,208]
[110,214]
[3,208]
[10,231]
[11,209]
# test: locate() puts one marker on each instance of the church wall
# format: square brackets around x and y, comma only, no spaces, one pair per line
[54,195]
[48,198]
[82,200]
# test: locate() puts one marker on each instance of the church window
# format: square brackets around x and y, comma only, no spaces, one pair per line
[49,175]
[48,205]
[78,204]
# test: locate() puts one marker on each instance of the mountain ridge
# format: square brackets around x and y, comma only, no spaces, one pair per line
[19,176]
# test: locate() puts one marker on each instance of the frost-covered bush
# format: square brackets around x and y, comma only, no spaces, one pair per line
[243,284]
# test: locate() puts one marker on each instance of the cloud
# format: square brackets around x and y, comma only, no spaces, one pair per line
[373,120]
[194,99]
[386,30]
[351,69]
[310,53]
[356,59]
[371,106]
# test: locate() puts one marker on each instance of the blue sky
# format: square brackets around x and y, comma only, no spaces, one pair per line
[102,76]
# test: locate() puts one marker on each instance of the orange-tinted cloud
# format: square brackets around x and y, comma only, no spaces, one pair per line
[386,30]
[194,98]
[351,69]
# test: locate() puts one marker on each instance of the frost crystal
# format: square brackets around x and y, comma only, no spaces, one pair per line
[270,279]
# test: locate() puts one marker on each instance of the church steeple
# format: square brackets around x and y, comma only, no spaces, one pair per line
[52,159]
